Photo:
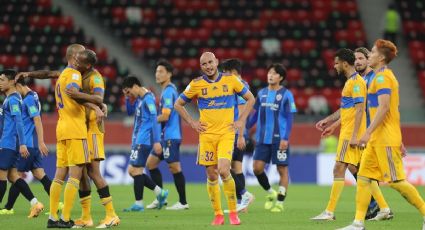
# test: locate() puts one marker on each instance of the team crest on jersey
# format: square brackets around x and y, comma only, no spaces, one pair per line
[214,88]
[204,91]
[225,89]
[278,97]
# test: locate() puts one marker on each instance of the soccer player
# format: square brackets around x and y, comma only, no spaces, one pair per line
[34,140]
[93,85]
[382,157]
[71,134]
[12,142]
[146,138]
[171,137]
[273,113]
[245,198]
[352,118]
[215,93]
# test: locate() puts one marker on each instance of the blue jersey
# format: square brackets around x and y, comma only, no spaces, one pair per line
[172,128]
[13,130]
[273,115]
[30,109]
[368,78]
[146,129]
[240,101]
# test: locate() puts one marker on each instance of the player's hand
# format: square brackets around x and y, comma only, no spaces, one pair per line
[238,125]
[363,141]
[403,150]
[198,126]
[105,109]
[43,149]
[21,75]
[283,145]
[322,124]
[328,131]
[23,151]
[99,115]
[72,92]
[240,143]
[157,148]
[354,142]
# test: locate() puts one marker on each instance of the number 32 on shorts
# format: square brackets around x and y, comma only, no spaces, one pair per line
[209,156]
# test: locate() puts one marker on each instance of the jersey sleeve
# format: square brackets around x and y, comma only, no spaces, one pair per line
[32,106]
[189,93]
[150,104]
[290,106]
[167,99]
[239,87]
[15,107]
[75,80]
[382,84]
[358,91]
[98,85]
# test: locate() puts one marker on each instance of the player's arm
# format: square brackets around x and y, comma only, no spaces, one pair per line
[100,115]
[359,109]
[15,108]
[39,74]
[329,120]
[331,128]
[179,106]
[286,119]
[253,117]
[81,97]
[130,107]
[242,91]
[240,142]
[167,107]
[40,135]
[156,127]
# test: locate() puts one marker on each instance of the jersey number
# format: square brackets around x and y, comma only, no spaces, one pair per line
[59,95]
[209,156]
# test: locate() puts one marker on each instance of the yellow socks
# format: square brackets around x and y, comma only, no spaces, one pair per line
[230,192]
[55,193]
[86,207]
[409,192]
[363,196]
[337,187]
[377,195]
[109,207]
[215,198]
[71,190]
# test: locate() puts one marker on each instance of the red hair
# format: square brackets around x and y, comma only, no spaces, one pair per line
[386,48]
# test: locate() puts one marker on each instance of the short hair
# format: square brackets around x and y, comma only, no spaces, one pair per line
[9,73]
[346,55]
[363,50]
[71,50]
[91,57]
[167,65]
[230,64]
[22,81]
[386,48]
[279,68]
[130,81]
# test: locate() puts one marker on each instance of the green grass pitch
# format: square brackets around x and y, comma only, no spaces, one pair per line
[302,203]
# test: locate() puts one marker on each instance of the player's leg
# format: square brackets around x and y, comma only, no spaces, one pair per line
[41,176]
[152,164]
[171,155]
[213,189]
[78,156]
[135,170]
[24,189]
[224,155]
[84,194]
[262,155]
[281,159]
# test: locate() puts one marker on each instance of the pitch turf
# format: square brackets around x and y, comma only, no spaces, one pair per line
[303,202]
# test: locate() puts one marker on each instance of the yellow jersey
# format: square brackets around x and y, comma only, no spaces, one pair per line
[72,116]
[93,83]
[216,101]
[388,133]
[354,92]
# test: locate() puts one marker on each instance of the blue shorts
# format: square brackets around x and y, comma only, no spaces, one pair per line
[32,162]
[267,152]
[139,155]
[8,158]
[170,151]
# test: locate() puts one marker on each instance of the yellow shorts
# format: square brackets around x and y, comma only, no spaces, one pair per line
[96,146]
[72,152]
[382,163]
[214,147]
[347,154]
